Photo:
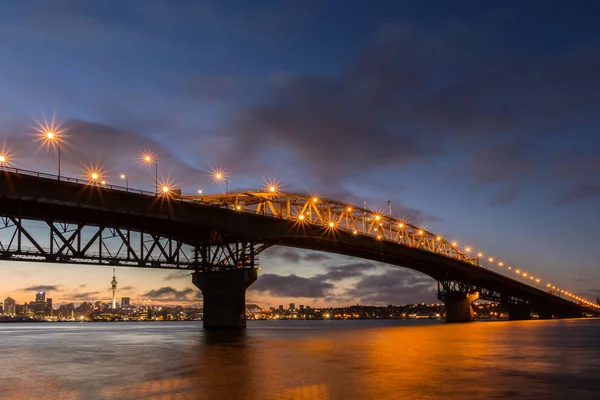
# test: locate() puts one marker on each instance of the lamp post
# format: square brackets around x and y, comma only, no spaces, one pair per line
[150,159]
[52,137]
[220,177]
[94,176]
[123,176]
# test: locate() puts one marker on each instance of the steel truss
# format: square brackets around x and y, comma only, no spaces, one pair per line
[484,294]
[63,242]
[333,215]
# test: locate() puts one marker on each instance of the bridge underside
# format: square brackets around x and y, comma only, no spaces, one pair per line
[48,221]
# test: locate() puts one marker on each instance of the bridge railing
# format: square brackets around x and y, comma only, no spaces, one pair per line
[80,181]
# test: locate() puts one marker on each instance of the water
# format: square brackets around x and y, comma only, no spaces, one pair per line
[302,360]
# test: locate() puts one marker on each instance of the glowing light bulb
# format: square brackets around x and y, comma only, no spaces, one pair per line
[301,217]
[331,224]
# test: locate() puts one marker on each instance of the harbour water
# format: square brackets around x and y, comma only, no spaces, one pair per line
[389,359]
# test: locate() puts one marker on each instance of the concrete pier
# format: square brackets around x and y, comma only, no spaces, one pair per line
[224,295]
[458,306]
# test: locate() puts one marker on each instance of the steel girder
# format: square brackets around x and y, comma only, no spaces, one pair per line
[484,294]
[333,215]
[62,242]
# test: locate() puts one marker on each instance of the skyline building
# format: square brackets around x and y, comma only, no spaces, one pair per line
[9,306]
[40,297]
[114,290]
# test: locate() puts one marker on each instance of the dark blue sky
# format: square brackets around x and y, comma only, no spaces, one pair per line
[478,119]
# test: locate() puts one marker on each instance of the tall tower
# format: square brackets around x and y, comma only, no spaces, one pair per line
[114,289]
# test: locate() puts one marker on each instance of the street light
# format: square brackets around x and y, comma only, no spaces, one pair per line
[220,176]
[123,176]
[149,158]
[52,137]
[3,160]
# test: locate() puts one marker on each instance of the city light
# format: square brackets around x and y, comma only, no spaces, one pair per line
[301,217]
[331,224]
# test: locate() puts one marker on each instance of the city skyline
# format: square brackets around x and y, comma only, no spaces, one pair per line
[499,152]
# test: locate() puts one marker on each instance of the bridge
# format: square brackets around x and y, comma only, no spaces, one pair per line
[219,238]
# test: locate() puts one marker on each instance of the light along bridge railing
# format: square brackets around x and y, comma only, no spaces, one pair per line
[329,214]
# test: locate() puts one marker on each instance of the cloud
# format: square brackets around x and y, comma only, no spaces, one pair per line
[81,296]
[395,286]
[316,256]
[127,288]
[178,275]
[508,160]
[294,256]
[291,286]
[167,292]
[504,196]
[341,272]
[46,288]
[580,193]
[391,108]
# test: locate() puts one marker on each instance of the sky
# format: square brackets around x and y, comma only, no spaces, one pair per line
[479,120]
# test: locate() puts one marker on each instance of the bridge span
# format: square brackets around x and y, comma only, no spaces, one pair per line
[220,237]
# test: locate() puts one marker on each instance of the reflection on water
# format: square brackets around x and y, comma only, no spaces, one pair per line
[299,360]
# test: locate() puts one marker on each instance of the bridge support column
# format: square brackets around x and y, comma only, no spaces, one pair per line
[519,312]
[458,305]
[224,295]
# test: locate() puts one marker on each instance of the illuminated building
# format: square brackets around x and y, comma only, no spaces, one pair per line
[9,306]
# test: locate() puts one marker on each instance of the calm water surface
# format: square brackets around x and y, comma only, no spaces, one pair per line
[302,360]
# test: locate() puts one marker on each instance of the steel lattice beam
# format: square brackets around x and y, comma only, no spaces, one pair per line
[61,242]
